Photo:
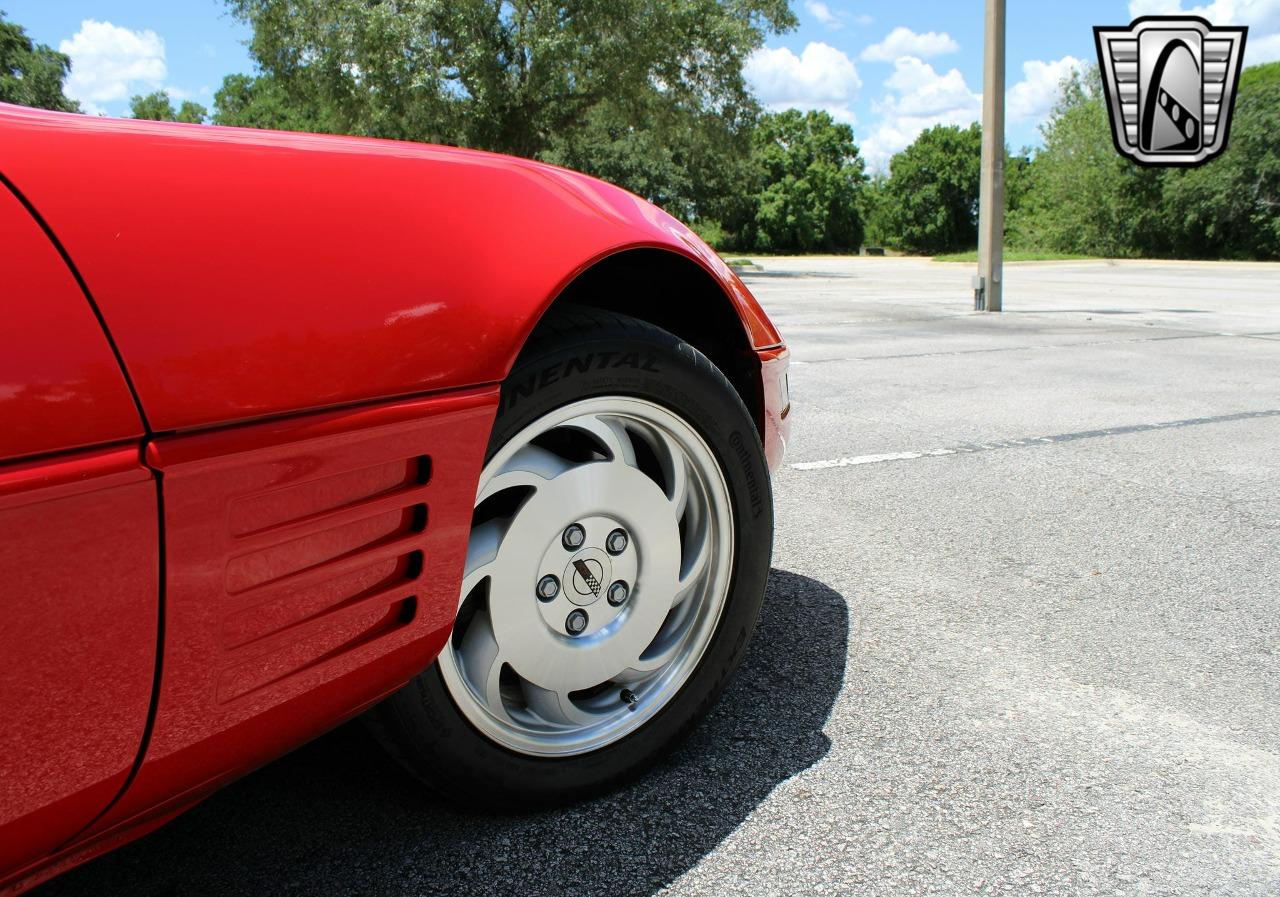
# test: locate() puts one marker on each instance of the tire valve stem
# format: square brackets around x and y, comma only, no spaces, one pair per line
[629,698]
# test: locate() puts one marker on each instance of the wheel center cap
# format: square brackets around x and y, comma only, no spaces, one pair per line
[588,576]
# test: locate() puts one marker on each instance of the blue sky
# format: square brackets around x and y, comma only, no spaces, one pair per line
[123,47]
[888,68]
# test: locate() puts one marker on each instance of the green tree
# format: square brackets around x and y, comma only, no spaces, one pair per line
[31,74]
[1017,179]
[599,84]
[930,202]
[158,107]
[682,159]
[811,178]
[1230,207]
[875,210]
[248,102]
[1082,196]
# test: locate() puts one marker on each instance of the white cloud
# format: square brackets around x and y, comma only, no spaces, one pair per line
[921,91]
[1264,48]
[917,97]
[835,19]
[822,13]
[1262,17]
[1033,96]
[108,63]
[1219,12]
[821,77]
[905,42]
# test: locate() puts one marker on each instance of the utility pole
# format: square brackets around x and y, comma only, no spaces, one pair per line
[989,288]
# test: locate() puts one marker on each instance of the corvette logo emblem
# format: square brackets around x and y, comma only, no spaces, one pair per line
[589,576]
[1170,84]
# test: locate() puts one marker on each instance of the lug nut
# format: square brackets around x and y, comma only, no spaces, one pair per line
[574,536]
[617,541]
[618,594]
[548,588]
[576,622]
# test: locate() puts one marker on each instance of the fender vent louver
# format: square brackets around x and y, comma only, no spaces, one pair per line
[320,567]
[311,566]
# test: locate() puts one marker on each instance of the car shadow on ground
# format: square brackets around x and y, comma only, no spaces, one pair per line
[336,817]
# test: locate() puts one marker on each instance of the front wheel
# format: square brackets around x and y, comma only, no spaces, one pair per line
[619,549]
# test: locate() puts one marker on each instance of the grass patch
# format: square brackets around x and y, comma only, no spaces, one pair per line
[739,263]
[1015,255]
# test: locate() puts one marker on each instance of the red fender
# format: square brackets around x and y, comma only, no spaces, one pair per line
[249,273]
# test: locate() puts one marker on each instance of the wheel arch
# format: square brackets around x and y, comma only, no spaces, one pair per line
[670,291]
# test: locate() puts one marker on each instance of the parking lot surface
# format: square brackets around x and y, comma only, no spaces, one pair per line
[1021,636]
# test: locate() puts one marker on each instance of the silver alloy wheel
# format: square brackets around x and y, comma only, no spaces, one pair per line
[515,667]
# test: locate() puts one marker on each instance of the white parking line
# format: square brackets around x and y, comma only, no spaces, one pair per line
[969,448]
[869,459]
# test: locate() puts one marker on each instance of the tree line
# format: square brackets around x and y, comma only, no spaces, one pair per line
[1077,195]
[650,94]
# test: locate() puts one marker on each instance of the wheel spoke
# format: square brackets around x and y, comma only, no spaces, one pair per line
[493,690]
[611,434]
[693,568]
[642,667]
[480,659]
[555,706]
[482,551]
[676,470]
[532,468]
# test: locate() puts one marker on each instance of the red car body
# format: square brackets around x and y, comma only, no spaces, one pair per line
[247,380]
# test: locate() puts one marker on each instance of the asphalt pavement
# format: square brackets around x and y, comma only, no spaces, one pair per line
[1021,636]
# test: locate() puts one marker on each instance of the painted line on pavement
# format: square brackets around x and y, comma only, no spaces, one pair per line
[970,448]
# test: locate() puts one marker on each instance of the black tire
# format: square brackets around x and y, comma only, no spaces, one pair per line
[423,728]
